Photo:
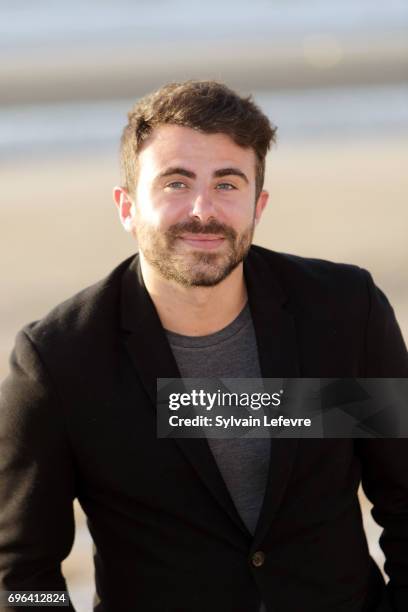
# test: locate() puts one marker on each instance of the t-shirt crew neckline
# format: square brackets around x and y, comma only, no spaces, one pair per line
[179,340]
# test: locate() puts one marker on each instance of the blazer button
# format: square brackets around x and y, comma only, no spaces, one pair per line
[258,558]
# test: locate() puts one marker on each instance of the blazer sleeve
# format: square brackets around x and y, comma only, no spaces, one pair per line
[385,461]
[37,485]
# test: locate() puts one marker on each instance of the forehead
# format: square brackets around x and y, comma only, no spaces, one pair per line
[174,145]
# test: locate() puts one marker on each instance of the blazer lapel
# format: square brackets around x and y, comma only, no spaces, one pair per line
[278,355]
[151,355]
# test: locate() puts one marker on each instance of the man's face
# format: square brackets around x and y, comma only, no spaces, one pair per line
[194,209]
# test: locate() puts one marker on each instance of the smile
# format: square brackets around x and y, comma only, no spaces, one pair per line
[203,241]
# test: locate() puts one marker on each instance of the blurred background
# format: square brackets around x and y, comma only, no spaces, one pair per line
[331,75]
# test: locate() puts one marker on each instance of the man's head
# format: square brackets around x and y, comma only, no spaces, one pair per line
[193,164]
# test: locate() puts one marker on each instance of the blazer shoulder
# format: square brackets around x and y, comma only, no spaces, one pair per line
[308,278]
[93,309]
[344,294]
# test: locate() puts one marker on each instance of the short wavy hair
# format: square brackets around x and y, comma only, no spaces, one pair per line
[207,106]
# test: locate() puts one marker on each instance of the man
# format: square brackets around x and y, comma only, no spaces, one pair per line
[195,524]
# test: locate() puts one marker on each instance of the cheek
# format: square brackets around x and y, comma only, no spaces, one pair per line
[161,215]
[238,210]
[240,216]
[170,210]
[147,209]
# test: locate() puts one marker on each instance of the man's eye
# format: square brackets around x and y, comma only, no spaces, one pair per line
[225,186]
[176,185]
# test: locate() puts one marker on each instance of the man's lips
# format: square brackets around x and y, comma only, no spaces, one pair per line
[203,241]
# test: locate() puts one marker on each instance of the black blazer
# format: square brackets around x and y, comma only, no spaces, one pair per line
[77,419]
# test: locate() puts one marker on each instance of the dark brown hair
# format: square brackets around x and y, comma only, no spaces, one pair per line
[206,106]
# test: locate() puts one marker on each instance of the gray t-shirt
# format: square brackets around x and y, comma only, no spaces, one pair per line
[230,353]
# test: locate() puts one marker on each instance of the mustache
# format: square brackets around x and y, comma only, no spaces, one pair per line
[194,226]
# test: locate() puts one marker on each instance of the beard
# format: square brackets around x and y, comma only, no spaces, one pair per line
[193,268]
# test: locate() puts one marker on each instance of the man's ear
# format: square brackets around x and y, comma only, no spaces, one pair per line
[125,206]
[260,205]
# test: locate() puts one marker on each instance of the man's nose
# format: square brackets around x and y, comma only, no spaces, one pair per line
[202,207]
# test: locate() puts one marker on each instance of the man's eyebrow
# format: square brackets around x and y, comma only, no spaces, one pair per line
[230,171]
[176,170]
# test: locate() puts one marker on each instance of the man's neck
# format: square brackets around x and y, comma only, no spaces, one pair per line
[195,311]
